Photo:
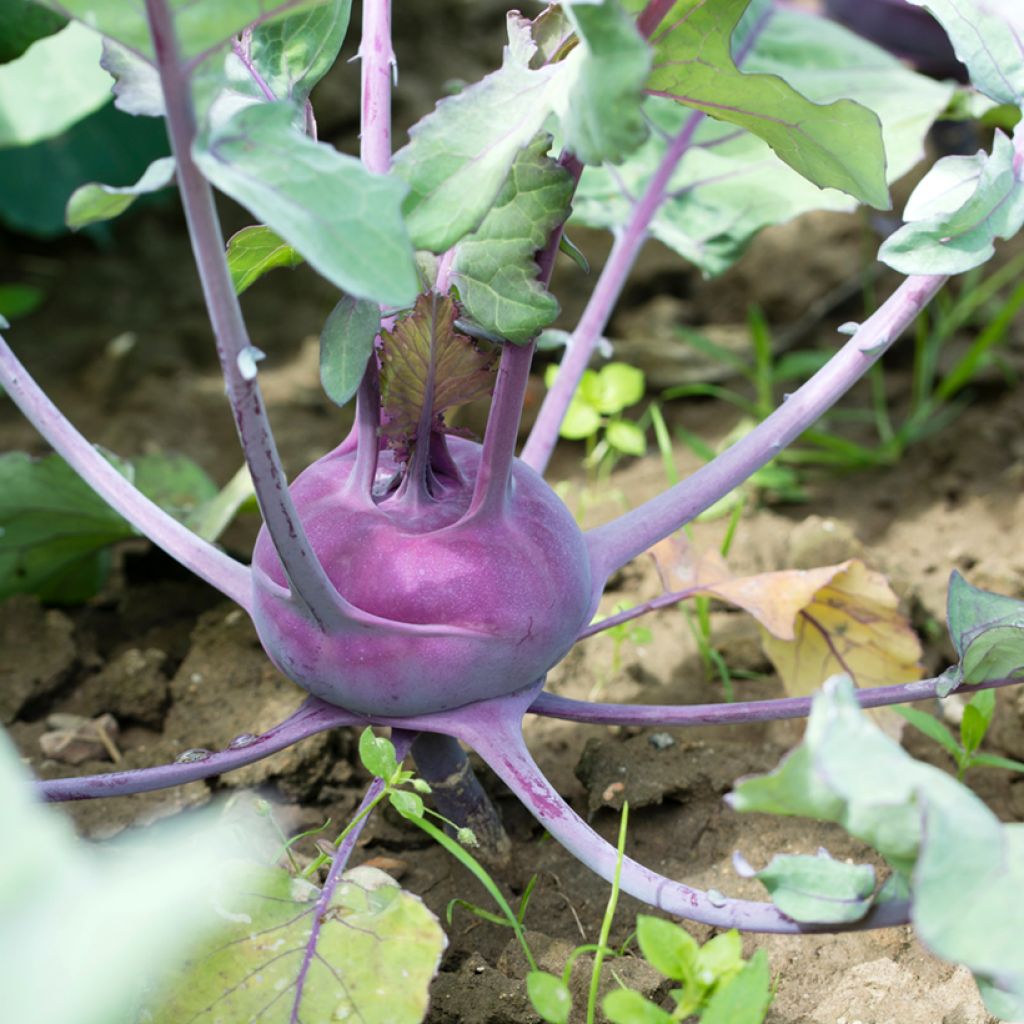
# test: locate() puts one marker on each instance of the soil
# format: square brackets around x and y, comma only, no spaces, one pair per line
[122,345]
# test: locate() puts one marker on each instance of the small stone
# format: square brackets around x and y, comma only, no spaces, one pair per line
[131,686]
[89,740]
[661,740]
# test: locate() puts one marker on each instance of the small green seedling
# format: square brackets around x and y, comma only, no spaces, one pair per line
[973,726]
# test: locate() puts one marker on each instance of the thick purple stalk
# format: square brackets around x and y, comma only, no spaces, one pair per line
[493,729]
[312,717]
[737,713]
[580,348]
[506,410]
[365,428]
[615,543]
[305,574]
[378,64]
[456,792]
[402,741]
[231,578]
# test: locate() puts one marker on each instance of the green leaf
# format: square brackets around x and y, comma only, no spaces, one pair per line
[730,184]
[987,631]
[410,805]
[958,210]
[93,907]
[293,53]
[20,299]
[176,483]
[423,348]
[964,867]
[255,251]
[931,727]
[994,761]
[199,27]
[835,145]
[603,119]
[54,531]
[987,41]
[626,437]
[54,83]
[667,947]
[624,1006]
[619,386]
[580,421]
[214,515]
[549,996]
[137,89]
[94,202]
[973,727]
[721,957]
[22,22]
[819,888]
[345,346]
[377,950]
[344,220]
[495,267]
[745,998]
[459,156]
[377,754]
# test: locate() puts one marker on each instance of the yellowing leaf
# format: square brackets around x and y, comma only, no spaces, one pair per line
[815,623]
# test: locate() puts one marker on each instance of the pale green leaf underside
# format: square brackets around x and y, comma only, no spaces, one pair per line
[199,26]
[342,219]
[837,144]
[958,211]
[730,185]
[986,36]
[495,268]
[377,951]
[819,888]
[54,83]
[95,202]
[965,868]
[602,120]
[459,156]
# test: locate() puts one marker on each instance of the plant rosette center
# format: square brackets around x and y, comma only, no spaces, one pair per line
[449,608]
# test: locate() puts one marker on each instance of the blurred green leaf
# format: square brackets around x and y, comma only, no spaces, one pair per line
[931,727]
[964,868]
[745,998]
[668,948]
[549,996]
[54,83]
[95,202]
[344,220]
[377,950]
[958,210]
[987,631]
[626,437]
[986,38]
[619,386]
[22,22]
[819,888]
[624,1006]
[19,300]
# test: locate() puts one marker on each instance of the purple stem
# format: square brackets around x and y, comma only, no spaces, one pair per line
[402,741]
[367,445]
[506,410]
[378,64]
[614,544]
[493,729]
[730,714]
[312,717]
[626,248]
[242,48]
[456,791]
[231,578]
[305,574]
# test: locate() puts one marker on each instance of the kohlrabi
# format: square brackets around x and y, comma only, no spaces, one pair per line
[416,579]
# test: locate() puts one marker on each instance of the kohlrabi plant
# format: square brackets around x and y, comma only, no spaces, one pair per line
[422,581]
